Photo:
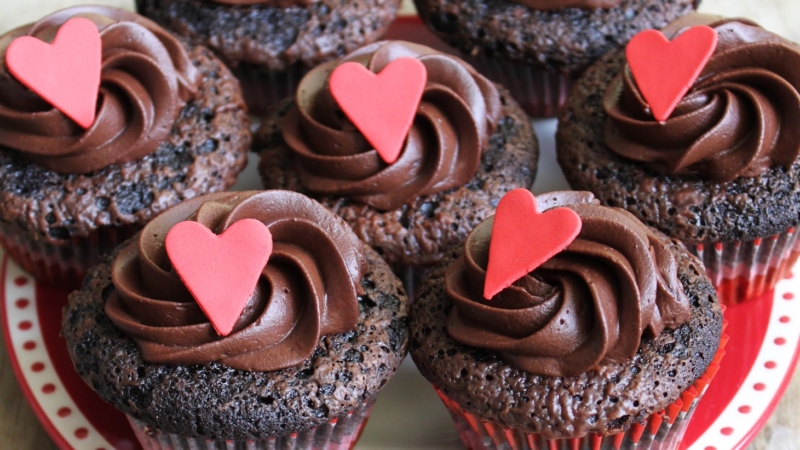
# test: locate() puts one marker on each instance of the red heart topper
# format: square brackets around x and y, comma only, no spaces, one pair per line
[665,71]
[381,106]
[523,239]
[65,73]
[221,272]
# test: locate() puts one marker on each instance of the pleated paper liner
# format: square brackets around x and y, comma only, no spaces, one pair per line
[661,431]
[341,433]
[541,93]
[264,89]
[744,270]
[62,266]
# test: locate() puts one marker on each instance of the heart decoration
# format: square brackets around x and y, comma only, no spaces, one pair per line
[65,73]
[665,71]
[221,272]
[382,106]
[523,239]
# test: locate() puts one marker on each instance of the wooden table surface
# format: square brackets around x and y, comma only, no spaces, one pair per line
[19,428]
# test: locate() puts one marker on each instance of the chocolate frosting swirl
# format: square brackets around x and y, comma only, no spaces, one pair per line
[544,5]
[738,119]
[146,78]
[588,305]
[308,289]
[456,117]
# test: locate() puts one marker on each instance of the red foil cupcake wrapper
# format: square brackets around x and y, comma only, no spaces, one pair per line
[541,93]
[62,266]
[661,431]
[744,270]
[263,89]
[341,433]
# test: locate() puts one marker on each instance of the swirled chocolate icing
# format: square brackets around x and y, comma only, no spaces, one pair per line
[588,305]
[308,289]
[456,117]
[146,78]
[557,4]
[738,119]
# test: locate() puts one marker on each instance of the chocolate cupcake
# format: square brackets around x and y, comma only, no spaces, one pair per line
[720,173]
[468,144]
[537,47]
[170,125]
[270,44]
[608,343]
[322,331]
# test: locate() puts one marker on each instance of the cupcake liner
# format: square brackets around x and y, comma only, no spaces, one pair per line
[660,431]
[341,433]
[264,89]
[541,93]
[744,270]
[62,266]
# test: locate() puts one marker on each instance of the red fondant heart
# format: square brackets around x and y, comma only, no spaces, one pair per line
[664,71]
[523,238]
[221,271]
[65,73]
[381,106]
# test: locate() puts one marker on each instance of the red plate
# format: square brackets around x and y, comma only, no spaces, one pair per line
[761,356]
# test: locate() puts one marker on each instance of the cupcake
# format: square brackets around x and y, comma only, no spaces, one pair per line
[467,143]
[270,44]
[607,343]
[720,172]
[169,124]
[537,47]
[321,329]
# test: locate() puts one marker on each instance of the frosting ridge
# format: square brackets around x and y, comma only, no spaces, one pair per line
[455,119]
[588,305]
[146,79]
[738,119]
[308,289]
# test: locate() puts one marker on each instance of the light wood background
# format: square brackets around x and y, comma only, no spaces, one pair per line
[19,429]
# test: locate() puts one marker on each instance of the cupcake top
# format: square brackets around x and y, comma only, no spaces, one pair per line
[146,79]
[457,114]
[610,329]
[309,287]
[590,304]
[737,119]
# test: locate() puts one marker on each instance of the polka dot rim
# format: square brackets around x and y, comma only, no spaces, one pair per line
[770,364]
[81,433]
[25,325]
[22,303]
[788,296]
[785,319]
[21,281]
[744,409]
[37,366]
[49,388]
[30,345]
[727,431]
[780,341]
[759,386]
